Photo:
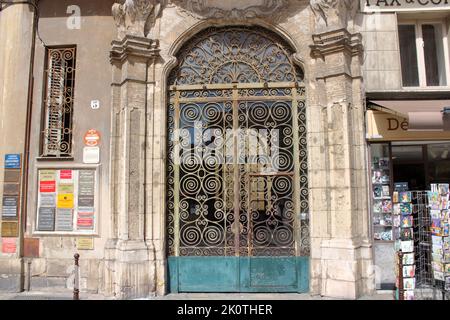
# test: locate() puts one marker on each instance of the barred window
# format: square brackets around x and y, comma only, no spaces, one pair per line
[58,102]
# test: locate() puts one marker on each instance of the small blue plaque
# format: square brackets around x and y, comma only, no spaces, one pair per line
[12,161]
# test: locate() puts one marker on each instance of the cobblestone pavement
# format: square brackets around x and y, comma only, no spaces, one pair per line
[67,295]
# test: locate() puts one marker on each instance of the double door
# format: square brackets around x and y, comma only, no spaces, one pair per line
[237,186]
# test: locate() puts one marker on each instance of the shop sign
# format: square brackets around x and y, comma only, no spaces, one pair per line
[9,245]
[92,138]
[403,5]
[383,126]
[12,161]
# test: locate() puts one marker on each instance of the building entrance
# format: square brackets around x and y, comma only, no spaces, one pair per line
[237,178]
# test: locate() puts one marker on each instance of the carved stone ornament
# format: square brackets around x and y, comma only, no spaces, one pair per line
[230,9]
[137,17]
[333,12]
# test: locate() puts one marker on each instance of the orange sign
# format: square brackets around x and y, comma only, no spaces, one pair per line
[92,138]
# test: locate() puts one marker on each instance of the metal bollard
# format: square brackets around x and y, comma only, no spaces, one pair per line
[401,291]
[76,284]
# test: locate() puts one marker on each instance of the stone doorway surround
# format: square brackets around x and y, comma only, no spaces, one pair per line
[329,48]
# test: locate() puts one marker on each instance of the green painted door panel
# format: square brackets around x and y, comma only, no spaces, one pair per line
[239,274]
[205,274]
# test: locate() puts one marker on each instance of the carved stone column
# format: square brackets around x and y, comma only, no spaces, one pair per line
[130,261]
[345,260]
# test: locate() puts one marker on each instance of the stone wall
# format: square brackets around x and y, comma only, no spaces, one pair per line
[129,259]
[330,51]
[15,58]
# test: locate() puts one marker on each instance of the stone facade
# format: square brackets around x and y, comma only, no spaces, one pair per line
[129,259]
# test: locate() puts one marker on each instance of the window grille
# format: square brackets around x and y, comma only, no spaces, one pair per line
[58,102]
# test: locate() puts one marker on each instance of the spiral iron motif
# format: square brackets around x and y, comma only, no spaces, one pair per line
[273,183]
[235,54]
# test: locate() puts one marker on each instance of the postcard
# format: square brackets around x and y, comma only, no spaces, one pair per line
[409,283]
[407,246]
[439,275]
[406,208]
[408,258]
[395,197]
[406,234]
[443,188]
[385,191]
[406,222]
[405,196]
[408,294]
[396,221]
[409,271]
[386,206]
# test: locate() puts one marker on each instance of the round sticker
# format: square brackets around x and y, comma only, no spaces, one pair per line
[92,138]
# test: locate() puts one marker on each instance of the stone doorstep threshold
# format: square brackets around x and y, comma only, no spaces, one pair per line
[68,295]
[383,295]
[50,295]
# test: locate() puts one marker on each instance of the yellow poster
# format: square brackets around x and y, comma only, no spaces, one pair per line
[65,201]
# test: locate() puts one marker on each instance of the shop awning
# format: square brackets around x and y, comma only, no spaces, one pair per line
[422,115]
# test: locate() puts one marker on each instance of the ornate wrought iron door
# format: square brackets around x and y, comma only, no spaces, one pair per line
[234,86]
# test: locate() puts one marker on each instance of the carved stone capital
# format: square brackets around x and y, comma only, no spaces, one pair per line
[137,17]
[132,46]
[333,13]
[336,41]
[338,52]
[230,9]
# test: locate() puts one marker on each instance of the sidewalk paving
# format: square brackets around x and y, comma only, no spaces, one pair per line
[68,295]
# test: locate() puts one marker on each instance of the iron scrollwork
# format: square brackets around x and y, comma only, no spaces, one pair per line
[224,199]
[59,99]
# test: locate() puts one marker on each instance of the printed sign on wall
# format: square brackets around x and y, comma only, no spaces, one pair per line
[10,229]
[91,155]
[12,161]
[69,205]
[92,138]
[31,247]
[10,207]
[11,196]
[46,219]
[9,245]
[403,5]
[85,243]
